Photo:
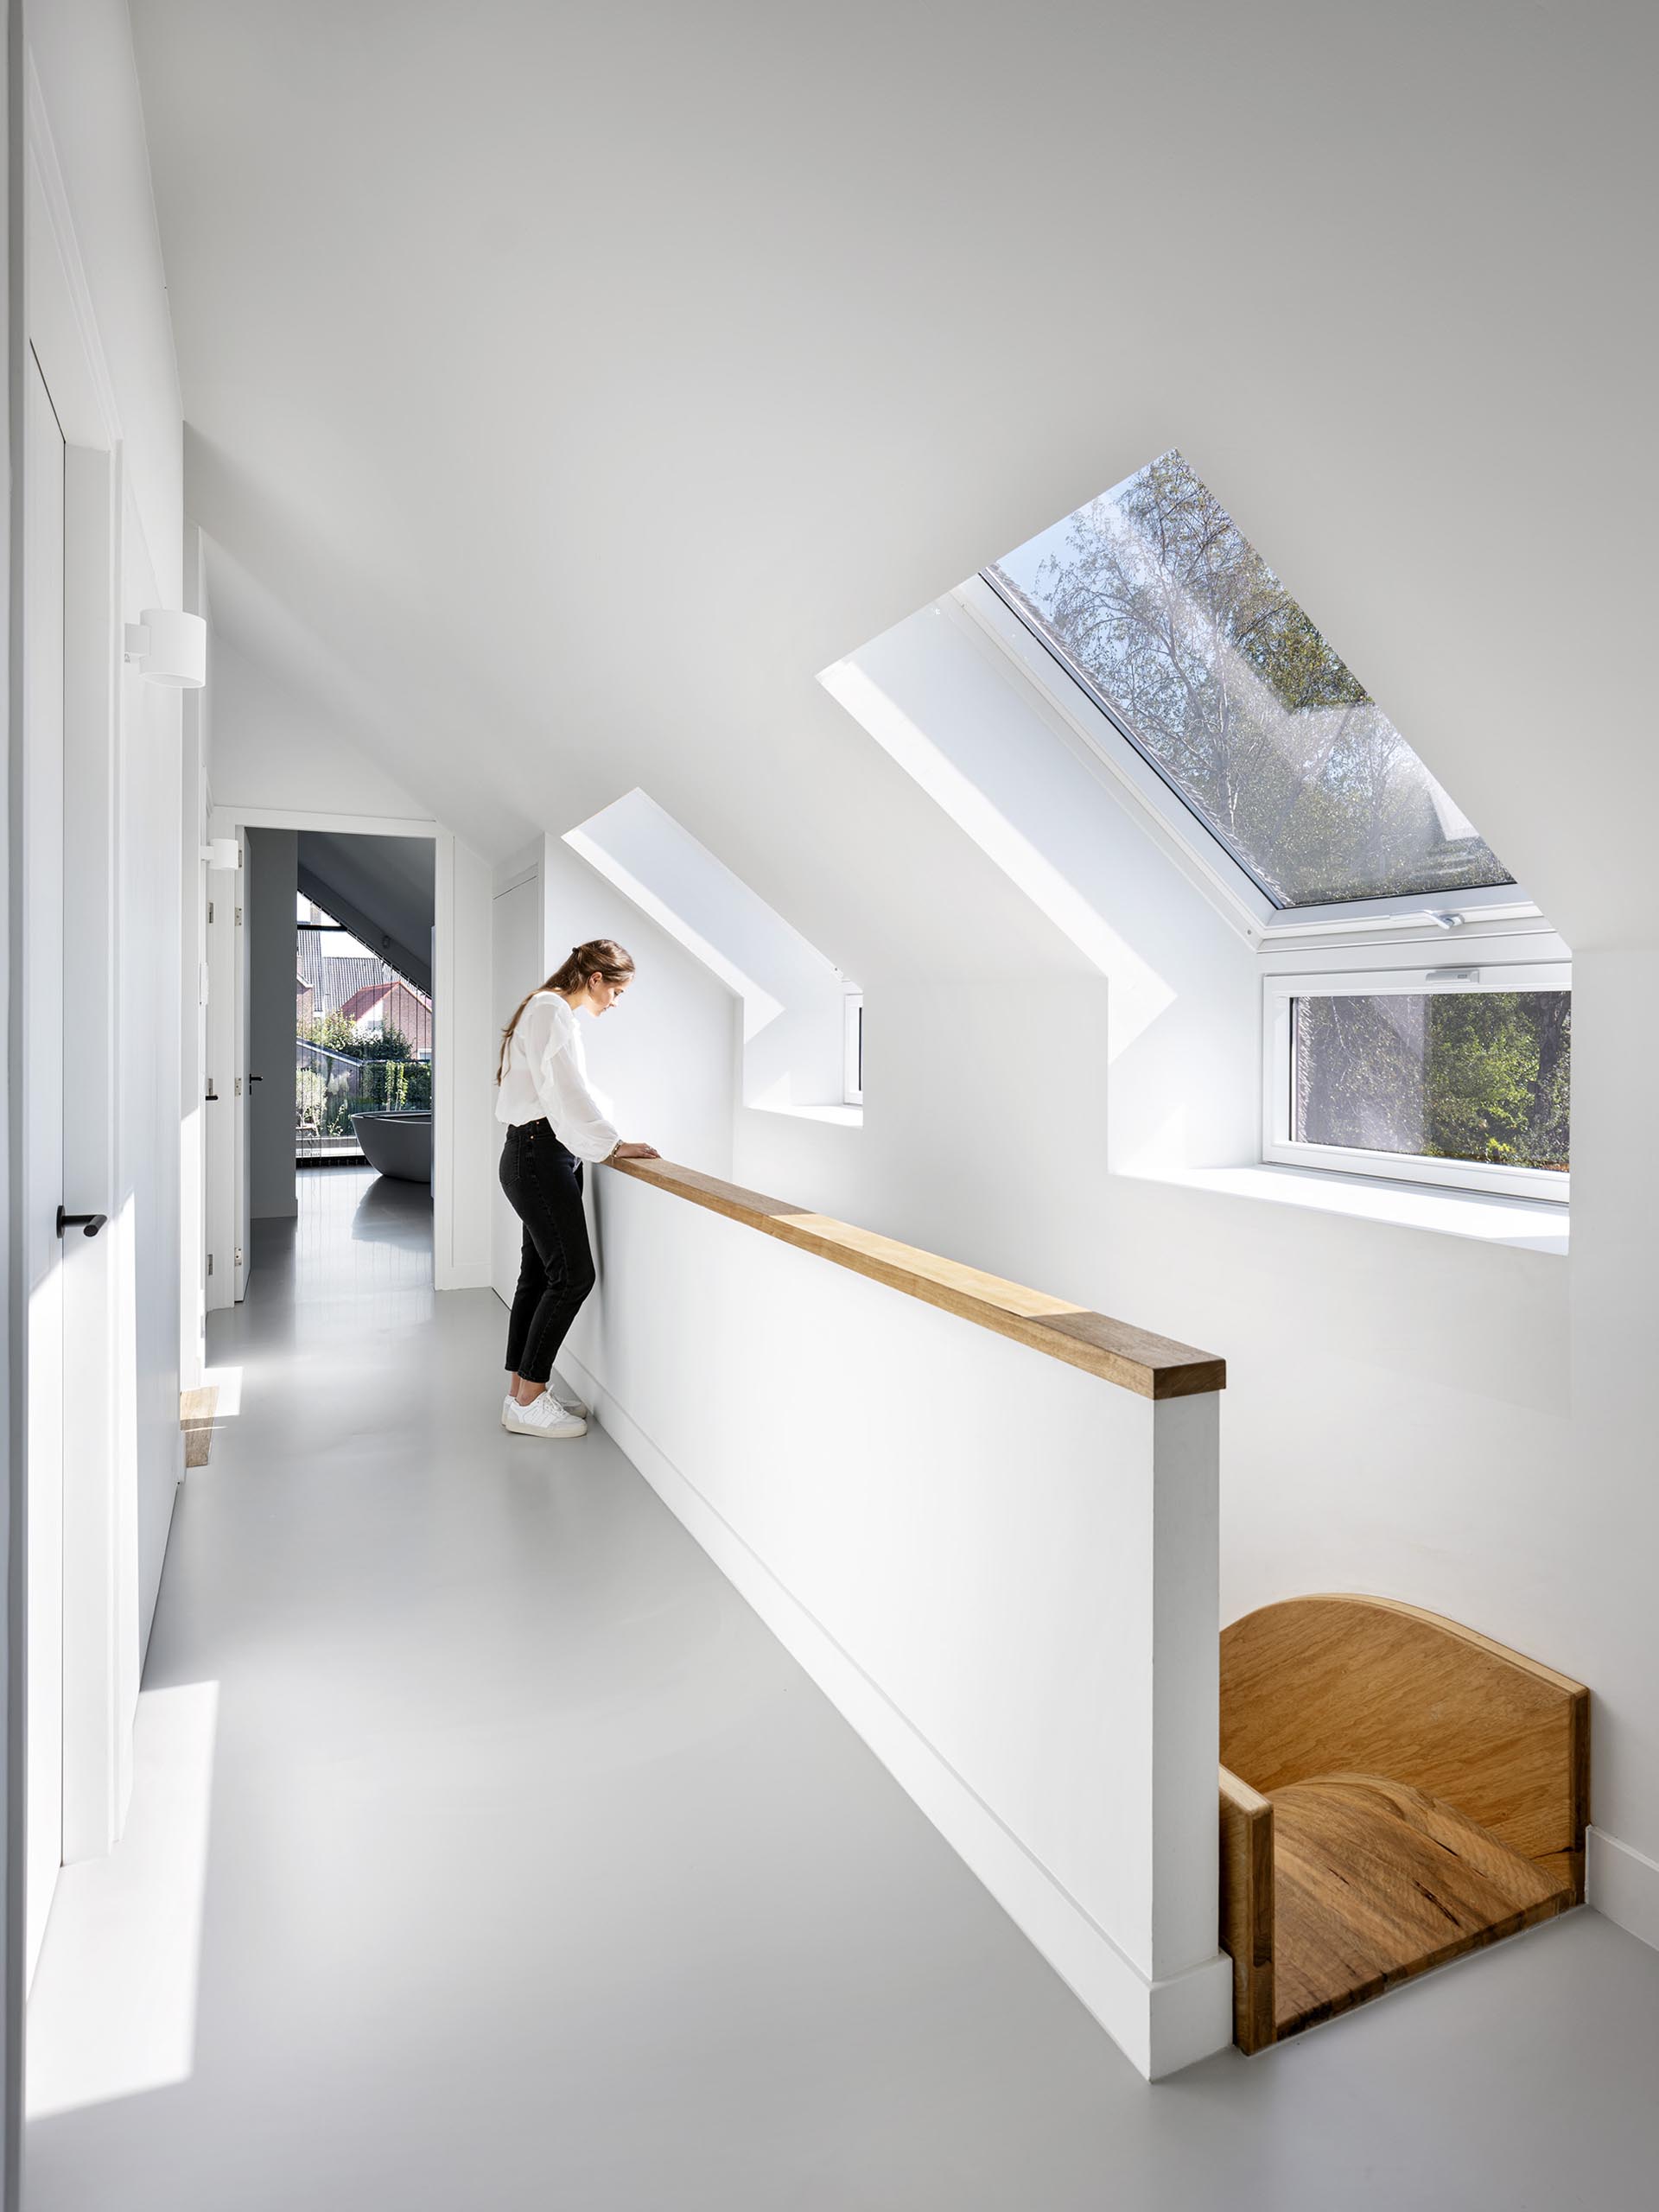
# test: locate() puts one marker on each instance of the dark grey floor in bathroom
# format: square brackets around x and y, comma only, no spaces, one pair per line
[538,1876]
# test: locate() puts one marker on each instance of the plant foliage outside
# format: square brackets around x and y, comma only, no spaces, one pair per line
[1162,606]
[1454,1075]
[341,1073]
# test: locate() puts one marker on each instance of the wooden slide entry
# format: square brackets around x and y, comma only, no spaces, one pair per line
[1395,1790]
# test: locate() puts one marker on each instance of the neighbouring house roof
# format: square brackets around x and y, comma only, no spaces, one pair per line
[336,979]
[364,1001]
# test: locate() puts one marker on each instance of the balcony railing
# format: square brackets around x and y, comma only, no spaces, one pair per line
[330,1086]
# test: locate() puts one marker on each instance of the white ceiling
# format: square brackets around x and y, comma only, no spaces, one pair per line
[568,384]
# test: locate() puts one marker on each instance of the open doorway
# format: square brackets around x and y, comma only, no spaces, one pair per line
[340,1016]
[325,1043]
[402,889]
[364,1027]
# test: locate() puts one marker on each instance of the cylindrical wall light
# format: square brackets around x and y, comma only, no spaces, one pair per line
[169,649]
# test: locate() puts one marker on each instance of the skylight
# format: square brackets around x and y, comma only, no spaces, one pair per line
[1154,601]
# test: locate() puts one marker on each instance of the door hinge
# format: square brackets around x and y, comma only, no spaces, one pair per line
[210,910]
[239,1086]
[210,1264]
[238,918]
[238,1255]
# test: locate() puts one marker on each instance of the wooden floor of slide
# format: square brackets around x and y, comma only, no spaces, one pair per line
[1375,1882]
[1456,1817]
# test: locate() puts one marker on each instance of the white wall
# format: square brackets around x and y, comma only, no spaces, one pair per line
[89,98]
[273,752]
[792,998]
[516,966]
[13,1408]
[1397,1417]
[269,887]
[1597,1571]
[464,1149]
[668,1056]
[83,52]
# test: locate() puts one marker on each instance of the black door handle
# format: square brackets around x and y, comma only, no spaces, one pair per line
[88,1223]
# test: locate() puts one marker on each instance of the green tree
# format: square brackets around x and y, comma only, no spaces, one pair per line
[335,1033]
[1455,1075]
[391,1044]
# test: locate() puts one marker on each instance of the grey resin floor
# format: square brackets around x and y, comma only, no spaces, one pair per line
[534,1874]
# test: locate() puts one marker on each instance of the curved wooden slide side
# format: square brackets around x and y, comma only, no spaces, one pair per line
[1396,1789]
[1326,1685]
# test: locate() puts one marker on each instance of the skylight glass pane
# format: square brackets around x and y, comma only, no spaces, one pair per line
[1449,1075]
[1156,601]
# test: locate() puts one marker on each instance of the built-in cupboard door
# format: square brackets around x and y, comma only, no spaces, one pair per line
[42,1116]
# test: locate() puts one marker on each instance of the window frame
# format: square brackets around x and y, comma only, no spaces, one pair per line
[853,1049]
[1279,1148]
[1085,715]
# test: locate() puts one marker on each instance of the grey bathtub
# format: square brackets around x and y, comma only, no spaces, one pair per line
[397,1144]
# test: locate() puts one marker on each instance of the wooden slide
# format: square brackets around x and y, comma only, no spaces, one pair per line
[1394,1790]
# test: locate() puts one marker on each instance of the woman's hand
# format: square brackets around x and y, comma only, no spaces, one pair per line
[636,1152]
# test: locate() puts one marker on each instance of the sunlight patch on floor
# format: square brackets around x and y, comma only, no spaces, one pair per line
[227,1382]
[113,2008]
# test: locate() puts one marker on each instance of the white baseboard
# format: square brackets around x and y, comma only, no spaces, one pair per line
[1623,1883]
[1161,2026]
[471,1275]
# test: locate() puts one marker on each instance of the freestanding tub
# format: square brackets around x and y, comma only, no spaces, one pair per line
[397,1144]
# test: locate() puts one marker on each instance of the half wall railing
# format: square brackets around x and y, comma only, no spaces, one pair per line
[985,1521]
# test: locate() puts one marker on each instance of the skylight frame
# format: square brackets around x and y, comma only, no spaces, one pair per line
[1086,712]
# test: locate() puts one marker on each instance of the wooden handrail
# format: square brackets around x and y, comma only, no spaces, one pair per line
[1134,1359]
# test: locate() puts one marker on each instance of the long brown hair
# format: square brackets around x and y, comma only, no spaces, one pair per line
[600,956]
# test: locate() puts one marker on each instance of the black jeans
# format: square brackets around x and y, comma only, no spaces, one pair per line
[542,1182]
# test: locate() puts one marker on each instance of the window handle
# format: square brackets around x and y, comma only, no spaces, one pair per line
[88,1223]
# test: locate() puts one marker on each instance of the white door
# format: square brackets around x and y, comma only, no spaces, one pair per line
[42,1110]
[243,1087]
[516,963]
[225,1103]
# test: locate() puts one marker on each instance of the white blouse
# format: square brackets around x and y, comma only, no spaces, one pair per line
[546,1075]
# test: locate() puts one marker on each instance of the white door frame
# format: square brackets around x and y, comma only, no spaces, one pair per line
[227,1021]
[193,893]
[101,1659]
[223,1256]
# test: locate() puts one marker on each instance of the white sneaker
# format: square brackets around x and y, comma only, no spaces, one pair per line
[568,1399]
[542,1416]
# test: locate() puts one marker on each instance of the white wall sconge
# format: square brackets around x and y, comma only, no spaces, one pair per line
[170,649]
[225,853]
